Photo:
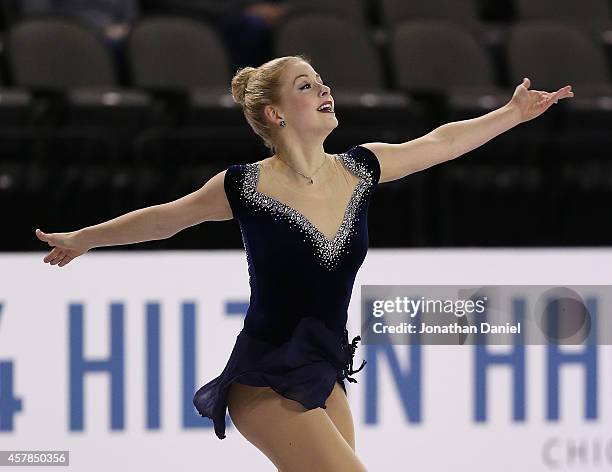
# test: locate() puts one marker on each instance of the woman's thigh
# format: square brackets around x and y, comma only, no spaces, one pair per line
[339,411]
[293,438]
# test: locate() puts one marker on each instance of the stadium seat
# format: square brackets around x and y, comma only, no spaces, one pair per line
[177,54]
[58,55]
[555,54]
[437,55]
[355,64]
[465,13]
[446,66]
[592,16]
[185,57]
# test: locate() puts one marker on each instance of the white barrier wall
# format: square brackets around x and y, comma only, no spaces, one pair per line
[102,358]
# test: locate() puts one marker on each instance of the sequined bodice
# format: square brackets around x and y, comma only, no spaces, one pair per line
[319,208]
[294,269]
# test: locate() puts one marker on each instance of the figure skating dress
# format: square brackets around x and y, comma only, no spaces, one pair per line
[294,337]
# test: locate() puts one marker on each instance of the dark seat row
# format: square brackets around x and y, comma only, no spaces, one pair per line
[508,193]
[183,56]
[392,12]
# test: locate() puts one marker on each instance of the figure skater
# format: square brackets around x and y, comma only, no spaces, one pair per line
[303,217]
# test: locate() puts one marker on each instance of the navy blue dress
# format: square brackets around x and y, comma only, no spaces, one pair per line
[294,338]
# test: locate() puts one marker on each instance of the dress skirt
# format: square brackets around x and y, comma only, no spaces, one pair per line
[304,369]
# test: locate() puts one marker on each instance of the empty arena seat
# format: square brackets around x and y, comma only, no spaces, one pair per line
[355,63]
[61,55]
[438,56]
[539,50]
[593,16]
[446,64]
[56,54]
[179,55]
[465,13]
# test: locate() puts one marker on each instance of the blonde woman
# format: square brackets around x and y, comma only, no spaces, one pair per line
[303,217]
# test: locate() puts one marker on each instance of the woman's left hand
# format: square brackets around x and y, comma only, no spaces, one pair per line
[532,103]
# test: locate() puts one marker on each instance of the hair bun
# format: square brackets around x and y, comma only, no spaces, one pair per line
[240,82]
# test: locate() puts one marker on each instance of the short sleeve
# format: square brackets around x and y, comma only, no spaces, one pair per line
[233,184]
[368,159]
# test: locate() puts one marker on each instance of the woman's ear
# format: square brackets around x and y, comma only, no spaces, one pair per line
[272,115]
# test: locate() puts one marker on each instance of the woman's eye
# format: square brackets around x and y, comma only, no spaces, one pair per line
[303,86]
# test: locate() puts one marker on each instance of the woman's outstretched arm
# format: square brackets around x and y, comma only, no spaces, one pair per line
[209,203]
[454,139]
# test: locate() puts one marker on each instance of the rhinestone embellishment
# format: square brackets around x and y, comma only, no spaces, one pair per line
[328,251]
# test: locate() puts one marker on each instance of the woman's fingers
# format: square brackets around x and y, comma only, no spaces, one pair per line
[51,255]
[58,258]
[560,94]
[543,98]
[54,255]
[66,259]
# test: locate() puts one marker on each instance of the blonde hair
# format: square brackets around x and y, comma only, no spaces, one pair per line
[256,87]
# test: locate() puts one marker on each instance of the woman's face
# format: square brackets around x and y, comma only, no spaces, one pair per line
[302,93]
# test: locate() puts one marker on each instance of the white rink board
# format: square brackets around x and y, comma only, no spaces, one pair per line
[36,342]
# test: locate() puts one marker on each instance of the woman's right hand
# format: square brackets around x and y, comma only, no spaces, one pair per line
[66,247]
